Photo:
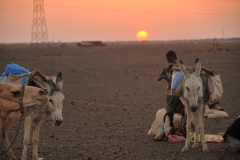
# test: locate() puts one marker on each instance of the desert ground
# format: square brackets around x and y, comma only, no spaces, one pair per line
[112,95]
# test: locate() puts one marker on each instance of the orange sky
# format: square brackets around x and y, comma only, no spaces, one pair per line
[108,20]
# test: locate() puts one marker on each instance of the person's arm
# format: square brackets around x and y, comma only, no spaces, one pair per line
[168,68]
[168,71]
[165,74]
[162,75]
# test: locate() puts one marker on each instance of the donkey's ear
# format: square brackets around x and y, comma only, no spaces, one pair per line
[43,85]
[59,80]
[183,69]
[197,67]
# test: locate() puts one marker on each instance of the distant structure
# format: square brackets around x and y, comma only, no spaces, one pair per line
[91,43]
[39,35]
[215,42]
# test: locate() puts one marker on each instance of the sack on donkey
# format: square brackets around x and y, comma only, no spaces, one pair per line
[215,88]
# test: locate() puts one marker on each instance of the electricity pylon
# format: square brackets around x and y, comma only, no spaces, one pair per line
[39,35]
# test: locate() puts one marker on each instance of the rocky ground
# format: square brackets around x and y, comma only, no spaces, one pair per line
[112,95]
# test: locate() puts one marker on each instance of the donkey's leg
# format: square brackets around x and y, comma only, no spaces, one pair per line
[196,121]
[35,139]
[26,140]
[6,128]
[201,128]
[188,129]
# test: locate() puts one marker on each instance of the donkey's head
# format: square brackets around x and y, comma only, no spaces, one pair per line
[56,97]
[192,89]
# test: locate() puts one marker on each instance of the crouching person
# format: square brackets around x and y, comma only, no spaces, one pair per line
[174,122]
[232,135]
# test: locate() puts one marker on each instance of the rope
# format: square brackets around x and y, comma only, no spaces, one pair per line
[14,137]
[170,101]
[20,100]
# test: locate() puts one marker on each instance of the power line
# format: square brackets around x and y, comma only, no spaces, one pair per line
[214,0]
[155,12]
[136,11]
[15,7]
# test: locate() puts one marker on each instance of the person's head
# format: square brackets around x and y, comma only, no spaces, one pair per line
[178,106]
[171,56]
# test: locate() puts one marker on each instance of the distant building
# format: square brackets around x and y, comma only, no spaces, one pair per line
[63,45]
[91,43]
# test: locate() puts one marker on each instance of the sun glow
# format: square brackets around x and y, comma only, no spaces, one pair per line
[142,35]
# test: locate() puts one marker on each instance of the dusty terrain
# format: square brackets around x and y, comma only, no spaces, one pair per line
[112,95]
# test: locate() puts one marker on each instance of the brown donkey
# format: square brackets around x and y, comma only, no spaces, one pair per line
[34,116]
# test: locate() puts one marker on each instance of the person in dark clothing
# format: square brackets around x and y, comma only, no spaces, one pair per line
[166,74]
[174,121]
[232,135]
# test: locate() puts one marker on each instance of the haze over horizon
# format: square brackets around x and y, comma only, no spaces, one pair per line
[71,20]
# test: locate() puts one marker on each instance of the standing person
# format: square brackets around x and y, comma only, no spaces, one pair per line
[166,74]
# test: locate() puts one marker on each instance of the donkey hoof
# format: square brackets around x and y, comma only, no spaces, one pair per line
[195,145]
[205,149]
[13,158]
[184,149]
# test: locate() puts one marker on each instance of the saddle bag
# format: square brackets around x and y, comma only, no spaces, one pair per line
[215,88]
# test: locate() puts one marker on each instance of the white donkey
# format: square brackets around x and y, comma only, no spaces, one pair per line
[192,98]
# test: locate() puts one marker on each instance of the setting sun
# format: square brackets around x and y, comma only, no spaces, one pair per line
[142,35]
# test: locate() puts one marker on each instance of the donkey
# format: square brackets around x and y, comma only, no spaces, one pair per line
[192,97]
[34,115]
